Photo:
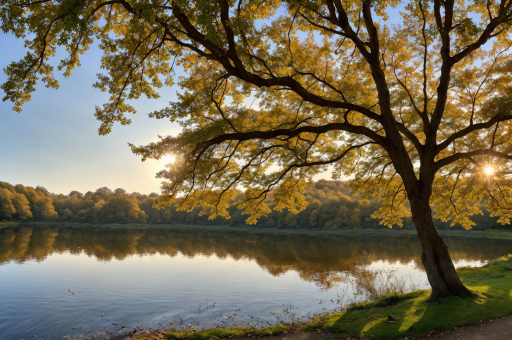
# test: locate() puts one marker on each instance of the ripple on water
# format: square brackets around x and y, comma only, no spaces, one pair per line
[57,281]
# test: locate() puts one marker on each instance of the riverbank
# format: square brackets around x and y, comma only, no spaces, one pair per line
[409,315]
[493,234]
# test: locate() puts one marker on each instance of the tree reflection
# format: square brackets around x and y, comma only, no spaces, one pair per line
[325,260]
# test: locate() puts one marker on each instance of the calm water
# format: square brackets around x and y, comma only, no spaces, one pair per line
[82,282]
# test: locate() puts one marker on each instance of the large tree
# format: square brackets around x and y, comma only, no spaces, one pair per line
[417,109]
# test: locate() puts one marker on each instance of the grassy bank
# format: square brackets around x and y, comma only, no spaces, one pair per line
[9,224]
[412,313]
[494,234]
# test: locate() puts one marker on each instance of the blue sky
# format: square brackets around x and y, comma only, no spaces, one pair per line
[53,142]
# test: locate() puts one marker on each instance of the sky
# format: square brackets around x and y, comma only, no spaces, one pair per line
[54,142]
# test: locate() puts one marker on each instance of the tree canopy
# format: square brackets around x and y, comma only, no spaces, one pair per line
[417,109]
[334,82]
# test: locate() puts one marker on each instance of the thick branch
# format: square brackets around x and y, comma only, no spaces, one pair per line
[244,136]
[235,67]
[503,16]
[468,155]
[449,61]
[469,129]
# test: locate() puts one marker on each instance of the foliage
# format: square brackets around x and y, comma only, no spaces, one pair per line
[7,209]
[27,203]
[415,110]
[119,208]
[330,205]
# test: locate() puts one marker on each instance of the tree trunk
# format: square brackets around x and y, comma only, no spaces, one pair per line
[435,256]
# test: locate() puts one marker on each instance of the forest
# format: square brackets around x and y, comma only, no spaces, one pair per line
[331,205]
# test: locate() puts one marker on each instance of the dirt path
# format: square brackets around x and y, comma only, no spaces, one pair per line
[497,329]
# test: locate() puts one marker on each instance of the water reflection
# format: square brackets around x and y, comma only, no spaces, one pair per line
[319,259]
[154,277]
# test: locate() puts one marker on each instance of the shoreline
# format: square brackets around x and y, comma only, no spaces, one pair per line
[395,316]
[492,234]
[491,282]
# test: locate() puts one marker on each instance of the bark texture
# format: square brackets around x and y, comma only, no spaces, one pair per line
[436,259]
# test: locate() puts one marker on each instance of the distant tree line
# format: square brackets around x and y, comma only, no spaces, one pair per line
[332,205]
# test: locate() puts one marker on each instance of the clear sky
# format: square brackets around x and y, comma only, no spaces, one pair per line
[53,142]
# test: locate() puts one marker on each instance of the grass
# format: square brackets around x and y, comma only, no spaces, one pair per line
[413,313]
[494,234]
[8,224]
[216,333]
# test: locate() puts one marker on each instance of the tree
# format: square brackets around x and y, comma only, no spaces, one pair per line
[119,208]
[103,193]
[119,191]
[22,207]
[7,209]
[41,203]
[147,205]
[17,201]
[417,112]
[76,193]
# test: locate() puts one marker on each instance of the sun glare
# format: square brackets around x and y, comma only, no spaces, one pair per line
[168,159]
[489,170]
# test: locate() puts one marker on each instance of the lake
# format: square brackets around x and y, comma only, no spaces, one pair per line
[82,282]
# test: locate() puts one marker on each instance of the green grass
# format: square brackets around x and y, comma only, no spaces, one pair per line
[494,234]
[413,313]
[8,224]
[216,333]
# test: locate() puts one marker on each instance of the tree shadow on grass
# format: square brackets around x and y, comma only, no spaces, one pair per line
[413,314]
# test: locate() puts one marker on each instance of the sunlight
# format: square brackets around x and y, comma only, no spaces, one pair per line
[168,159]
[489,170]
[414,313]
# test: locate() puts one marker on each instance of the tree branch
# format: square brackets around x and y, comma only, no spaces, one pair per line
[468,155]
[469,129]
[272,134]
[237,69]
